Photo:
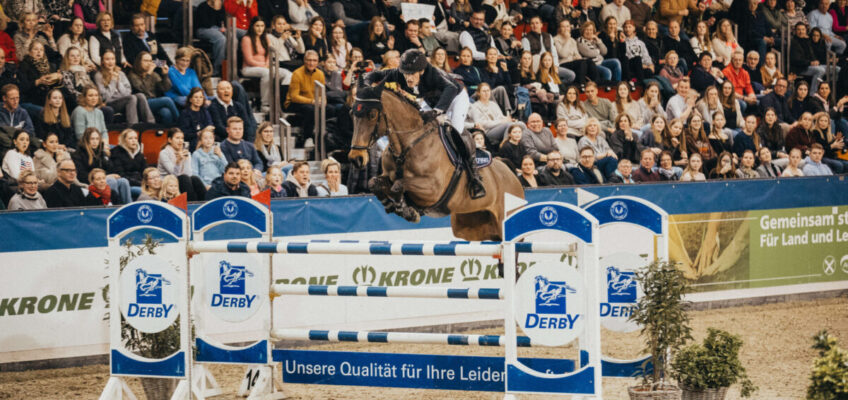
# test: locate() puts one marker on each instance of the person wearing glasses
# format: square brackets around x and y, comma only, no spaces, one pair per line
[64,192]
[27,197]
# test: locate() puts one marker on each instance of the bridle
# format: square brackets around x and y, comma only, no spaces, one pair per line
[374,133]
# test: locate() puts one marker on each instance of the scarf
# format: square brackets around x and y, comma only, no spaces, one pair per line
[42,66]
[105,196]
[301,190]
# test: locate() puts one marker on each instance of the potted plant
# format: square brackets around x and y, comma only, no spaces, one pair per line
[150,345]
[829,379]
[661,312]
[705,371]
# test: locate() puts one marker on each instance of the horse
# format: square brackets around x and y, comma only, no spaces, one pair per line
[618,281]
[231,274]
[146,283]
[418,176]
[549,292]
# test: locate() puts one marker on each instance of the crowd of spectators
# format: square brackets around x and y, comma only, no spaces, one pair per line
[699,91]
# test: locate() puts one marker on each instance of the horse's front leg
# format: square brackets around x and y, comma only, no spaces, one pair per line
[381,186]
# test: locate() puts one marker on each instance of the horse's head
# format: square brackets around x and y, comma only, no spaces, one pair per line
[368,123]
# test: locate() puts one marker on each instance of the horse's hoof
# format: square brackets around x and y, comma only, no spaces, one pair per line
[411,215]
[378,184]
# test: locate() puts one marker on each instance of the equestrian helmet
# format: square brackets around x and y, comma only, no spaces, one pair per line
[412,61]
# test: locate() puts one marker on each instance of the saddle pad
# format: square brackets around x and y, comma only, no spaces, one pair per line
[482,158]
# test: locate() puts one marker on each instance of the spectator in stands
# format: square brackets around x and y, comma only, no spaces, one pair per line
[701,42]
[693,171]
[153,82]
[297,184]
[92,152]
[741,81]
[681,104]
[117,92]
[570,57]
[332,175]
[772,134]
[725,168]
[820,18]
[758,34]
[721,138]
[802,59]
[300,98]
[546,75]
[183,78]
[605,157]
[768,169]
[831,144]
[653,42]
[774,16]
[338,45]
[18,158]
[287,42]
[528,172]
[653,136]
[666,168]
[127,160]
[566,145]
[821,101]
[616,9]
[377,42]
[801,102]
[11,114]
[674,41]
[268,151]
[250,177]
[776,100]
[427,36]
[704,74]
[553,174]
[54,118]
[624,173]
[476,37]
[746,166]
[274,182]
[508,45]
[31,31]
[800,135]
[819,46]
[88,10]
[770,72]
[748,139]
[208,161]
[439,59]
[511,149]
[222,108]
[599,108]
[300,12]
[75,37]
[244,11]
[99,193]
[591,46]
[408,37]
[813,165]
[391,59]
[64,192]
[175,159]
[195,116]
[537,139]
[640,65]
[675,142]
[623,142]
[322,7]
[485,115]
[496,74]
[7,44]
[105,38]
[234,148]
[76,76]
[316,38]
[724,43]
[46,158]
[794,13]
[151,185]
[209,22]
[140,39]
[586,173]
[28,197]
[571,109]
[170,188]
[254,49]
[8,72]
[671,73]
[646,172]
[731,107]
[793,168]
[709,104]
[651,103]
[37,76]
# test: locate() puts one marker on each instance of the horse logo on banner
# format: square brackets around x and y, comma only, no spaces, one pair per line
[550,295]
[233,277]
[149,287]
[621,286]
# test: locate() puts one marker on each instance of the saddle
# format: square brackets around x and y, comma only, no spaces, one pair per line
[451,139]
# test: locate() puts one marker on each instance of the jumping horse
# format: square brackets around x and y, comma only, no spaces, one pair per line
[418,175]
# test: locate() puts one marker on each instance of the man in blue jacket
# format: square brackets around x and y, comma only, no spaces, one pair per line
[228,184]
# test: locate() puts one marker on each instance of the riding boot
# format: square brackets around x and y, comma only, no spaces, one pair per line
[476,189]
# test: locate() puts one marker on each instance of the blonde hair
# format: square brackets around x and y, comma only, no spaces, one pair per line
[163,194]
[148,189]
[326,164]
[251,180]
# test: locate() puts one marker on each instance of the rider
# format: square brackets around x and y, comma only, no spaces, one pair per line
[442,97]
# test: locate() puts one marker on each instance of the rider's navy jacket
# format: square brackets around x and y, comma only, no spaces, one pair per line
[435,86]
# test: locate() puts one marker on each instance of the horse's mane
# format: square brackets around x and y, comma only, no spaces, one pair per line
[407,98]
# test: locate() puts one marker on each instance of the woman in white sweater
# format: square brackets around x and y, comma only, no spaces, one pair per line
[571,110]
[175,159]
[299,14]
[18,159]
[570,57]
[117,92]
[487,116]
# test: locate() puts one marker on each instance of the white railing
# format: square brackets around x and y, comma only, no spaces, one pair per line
[320,126]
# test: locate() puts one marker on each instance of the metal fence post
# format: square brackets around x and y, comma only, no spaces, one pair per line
[284,133]
[320,124]
[232,49]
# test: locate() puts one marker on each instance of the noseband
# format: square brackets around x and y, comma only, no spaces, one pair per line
[381,115]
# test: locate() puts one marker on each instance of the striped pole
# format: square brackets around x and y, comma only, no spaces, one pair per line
[457,248]
[384,291]
[395,337]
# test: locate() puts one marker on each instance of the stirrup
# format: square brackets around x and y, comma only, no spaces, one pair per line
[476,189]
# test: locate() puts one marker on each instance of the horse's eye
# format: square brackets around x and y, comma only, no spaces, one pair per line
[372,114]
